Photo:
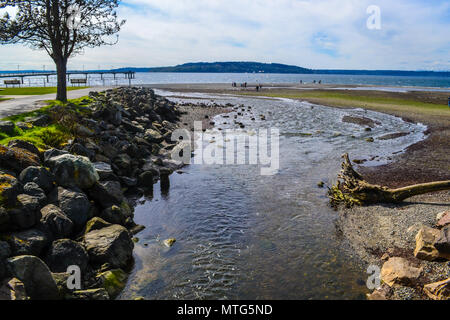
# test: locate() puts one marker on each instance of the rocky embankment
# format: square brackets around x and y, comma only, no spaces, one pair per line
[67,207]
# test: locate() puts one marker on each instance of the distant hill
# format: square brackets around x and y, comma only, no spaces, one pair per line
[226,67]
[256,67]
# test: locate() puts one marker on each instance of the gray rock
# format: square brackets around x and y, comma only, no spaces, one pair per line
[79,149]
[113,215]
[70,170]
[40,121]
[28,242]
[17,159]
[153,136]
[107,193]
[4,219]
[95,223]
[443,242]
[64,253]
[75,205]
[112,245]
[5,252]
[7,127]
[37,278]
[24,145]
[56,221]
[145,179]
[26,214]
[51,153]
[39,175]
[32,189]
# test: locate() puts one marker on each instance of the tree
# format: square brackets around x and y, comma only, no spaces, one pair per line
[62,28]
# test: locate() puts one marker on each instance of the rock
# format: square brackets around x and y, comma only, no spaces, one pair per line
[107,193]
[113,215]
[442,243]
[26,213]
[103,169]
[123,162]
[145,179]
[153,136]
[56,221]
[79,149]
[438,290]
[112,245]
[75,205]
[51,153]
[40,121]
[17,159]
[39,175]
[4,219]
[169,242]
[13,289]
[425,239]
[95,223]
[24,145]
[9,189]
[376,295]
[113,281]
[37,278]
[443,219]
[64,253]
[32,189]
[70,170]
[28,242]
[128,182]
[5,252]
[90,294]
[8,128]
[24,125]
[83,131]
[399,271]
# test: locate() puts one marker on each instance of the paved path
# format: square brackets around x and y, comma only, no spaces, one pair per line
[30,103]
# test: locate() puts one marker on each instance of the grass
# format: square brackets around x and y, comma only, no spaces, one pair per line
[26,91]
[54,135]
[4,99]
[358,100]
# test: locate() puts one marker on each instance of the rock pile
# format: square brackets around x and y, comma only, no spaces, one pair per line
[62,208]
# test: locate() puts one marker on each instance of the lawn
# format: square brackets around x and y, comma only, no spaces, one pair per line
[26,91]
[53,135]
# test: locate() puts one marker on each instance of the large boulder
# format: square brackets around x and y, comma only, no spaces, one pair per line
[70,171]
[425,248]
[438,290]
[17,159]
[25,214]
[442,243]
[75,205]
[13,289]
[113,281]
[28,242]
[399,271]
[37,278]
[39,175]
[112,245]
[107,193]
[54,220]
[64,253]
[443,219]
[96,223]
[32,189]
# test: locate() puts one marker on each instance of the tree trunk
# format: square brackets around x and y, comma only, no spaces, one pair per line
[353,189]
[61,71]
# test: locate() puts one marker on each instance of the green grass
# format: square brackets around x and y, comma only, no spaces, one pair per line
[4,99]
[339,99]
[54,135]
[25,91]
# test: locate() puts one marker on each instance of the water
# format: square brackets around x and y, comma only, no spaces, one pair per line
[242,235]
[162,78]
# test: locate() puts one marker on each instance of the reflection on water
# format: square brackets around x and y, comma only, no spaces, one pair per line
[241,235]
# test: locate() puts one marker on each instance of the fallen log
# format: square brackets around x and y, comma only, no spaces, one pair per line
[351,189]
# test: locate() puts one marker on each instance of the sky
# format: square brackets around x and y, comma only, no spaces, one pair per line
[318,34]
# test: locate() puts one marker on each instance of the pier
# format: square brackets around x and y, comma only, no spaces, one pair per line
[21,75]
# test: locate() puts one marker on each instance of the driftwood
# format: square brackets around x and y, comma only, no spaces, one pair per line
[351,189]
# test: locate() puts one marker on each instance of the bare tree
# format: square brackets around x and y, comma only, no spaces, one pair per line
[60,27]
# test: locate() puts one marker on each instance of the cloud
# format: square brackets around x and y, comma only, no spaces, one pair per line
[314,34]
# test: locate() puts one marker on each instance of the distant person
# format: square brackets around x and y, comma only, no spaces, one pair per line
[257,88]
[449,102]
[301,81]
[314,81]
[320,81]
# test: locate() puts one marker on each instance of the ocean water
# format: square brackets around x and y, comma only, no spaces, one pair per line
[162,78]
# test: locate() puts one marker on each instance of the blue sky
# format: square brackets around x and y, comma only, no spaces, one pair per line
[414,35]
